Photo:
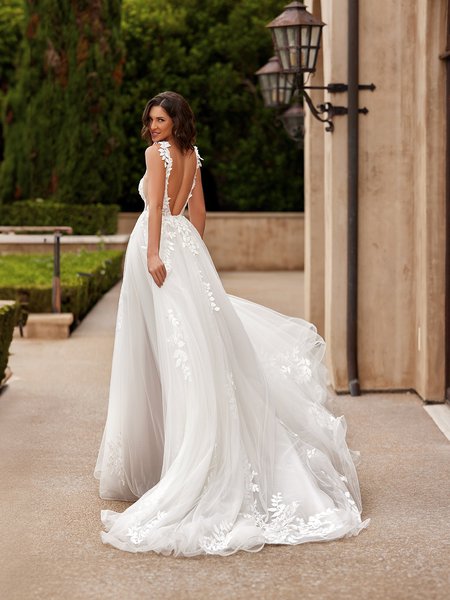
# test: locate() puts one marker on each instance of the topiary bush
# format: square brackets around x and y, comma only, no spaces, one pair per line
[94,219]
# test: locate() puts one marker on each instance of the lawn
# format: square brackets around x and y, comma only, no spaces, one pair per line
[85,277]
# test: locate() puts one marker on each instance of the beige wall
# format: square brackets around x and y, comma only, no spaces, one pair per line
[249,241]
[401,197]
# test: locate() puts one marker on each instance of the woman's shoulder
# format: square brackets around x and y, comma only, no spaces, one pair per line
[156,154]
[152,150]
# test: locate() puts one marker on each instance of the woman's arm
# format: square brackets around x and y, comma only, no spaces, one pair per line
[197,211]
[156,176]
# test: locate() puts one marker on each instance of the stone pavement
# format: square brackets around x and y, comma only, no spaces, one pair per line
[51,421]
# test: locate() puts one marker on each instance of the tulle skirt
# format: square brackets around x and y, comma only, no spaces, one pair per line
[218,425]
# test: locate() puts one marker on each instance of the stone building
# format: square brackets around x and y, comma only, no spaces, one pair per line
[403,308]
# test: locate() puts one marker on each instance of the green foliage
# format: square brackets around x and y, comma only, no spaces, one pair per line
[96,220]
[8,319]
[62,116]
[210,55]
[85,276]
[11,23]
[65,114]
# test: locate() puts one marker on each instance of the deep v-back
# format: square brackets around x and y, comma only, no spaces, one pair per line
[164,152]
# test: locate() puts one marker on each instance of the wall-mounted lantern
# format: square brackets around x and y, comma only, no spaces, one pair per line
[293,120]
[276,86]
[297,36]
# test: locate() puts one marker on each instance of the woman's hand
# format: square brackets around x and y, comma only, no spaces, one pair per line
[156,269]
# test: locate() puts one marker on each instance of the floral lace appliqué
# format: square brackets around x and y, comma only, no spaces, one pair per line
[138,533]
[176,340]
[323,417]
[209,293]
[164,152]
[250,485]
[115,459]
[173,228]
[219,539]
[199,164]
[282,525]
[231,394]
[291,364]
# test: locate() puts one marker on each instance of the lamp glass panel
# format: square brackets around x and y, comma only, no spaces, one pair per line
[284,57]
[280,39]
[263,82]
[305,45]
[268,83]
[312,58]
[292,35]
[285,87]
[315,46]
[315,35]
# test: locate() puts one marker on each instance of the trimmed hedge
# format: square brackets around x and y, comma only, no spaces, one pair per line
[8,318]
[85,277]
[91,219]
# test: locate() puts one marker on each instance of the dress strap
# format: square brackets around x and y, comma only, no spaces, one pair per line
[199,158]
[164,152]
[199,164]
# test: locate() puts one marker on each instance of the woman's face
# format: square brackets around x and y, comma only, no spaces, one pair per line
[160,124]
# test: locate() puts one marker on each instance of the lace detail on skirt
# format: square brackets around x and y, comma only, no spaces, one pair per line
[178,344]
[138,533]
[173,227]
[115,459]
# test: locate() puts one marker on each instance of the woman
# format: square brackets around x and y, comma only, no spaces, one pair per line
[217,426]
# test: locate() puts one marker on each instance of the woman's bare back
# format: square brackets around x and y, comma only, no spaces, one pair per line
[184,166]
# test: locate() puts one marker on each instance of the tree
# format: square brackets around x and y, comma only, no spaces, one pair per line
[62,116]
[11,26]
[210,56]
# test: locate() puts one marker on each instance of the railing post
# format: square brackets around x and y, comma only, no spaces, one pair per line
[56,284]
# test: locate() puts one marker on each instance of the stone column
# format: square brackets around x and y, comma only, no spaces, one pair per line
[314,199]
[429,199]
[334,14]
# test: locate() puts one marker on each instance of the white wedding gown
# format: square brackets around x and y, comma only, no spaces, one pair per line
[217,423]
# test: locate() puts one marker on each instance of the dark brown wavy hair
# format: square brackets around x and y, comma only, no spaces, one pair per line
[180,112]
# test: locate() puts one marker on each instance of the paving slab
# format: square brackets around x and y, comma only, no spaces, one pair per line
[51,420]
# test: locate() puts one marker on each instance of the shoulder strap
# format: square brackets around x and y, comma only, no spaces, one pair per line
[199,158]
[164,152]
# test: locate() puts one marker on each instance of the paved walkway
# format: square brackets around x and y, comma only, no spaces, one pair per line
[51,420]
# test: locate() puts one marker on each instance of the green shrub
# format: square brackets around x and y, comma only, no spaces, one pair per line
[85,220]
[8,318]
[85,277]
[210,55]
[62,114]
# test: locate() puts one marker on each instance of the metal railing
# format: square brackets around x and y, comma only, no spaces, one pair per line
[57,232]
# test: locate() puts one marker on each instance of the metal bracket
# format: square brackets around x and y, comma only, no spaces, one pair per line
[338,88]
[316,113]
[328,107]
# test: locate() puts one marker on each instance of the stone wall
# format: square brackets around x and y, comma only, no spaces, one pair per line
[401,197]
[248,241]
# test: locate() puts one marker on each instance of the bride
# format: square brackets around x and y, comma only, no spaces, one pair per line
[218,429]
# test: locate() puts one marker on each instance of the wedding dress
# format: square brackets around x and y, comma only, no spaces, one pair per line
[218,427]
